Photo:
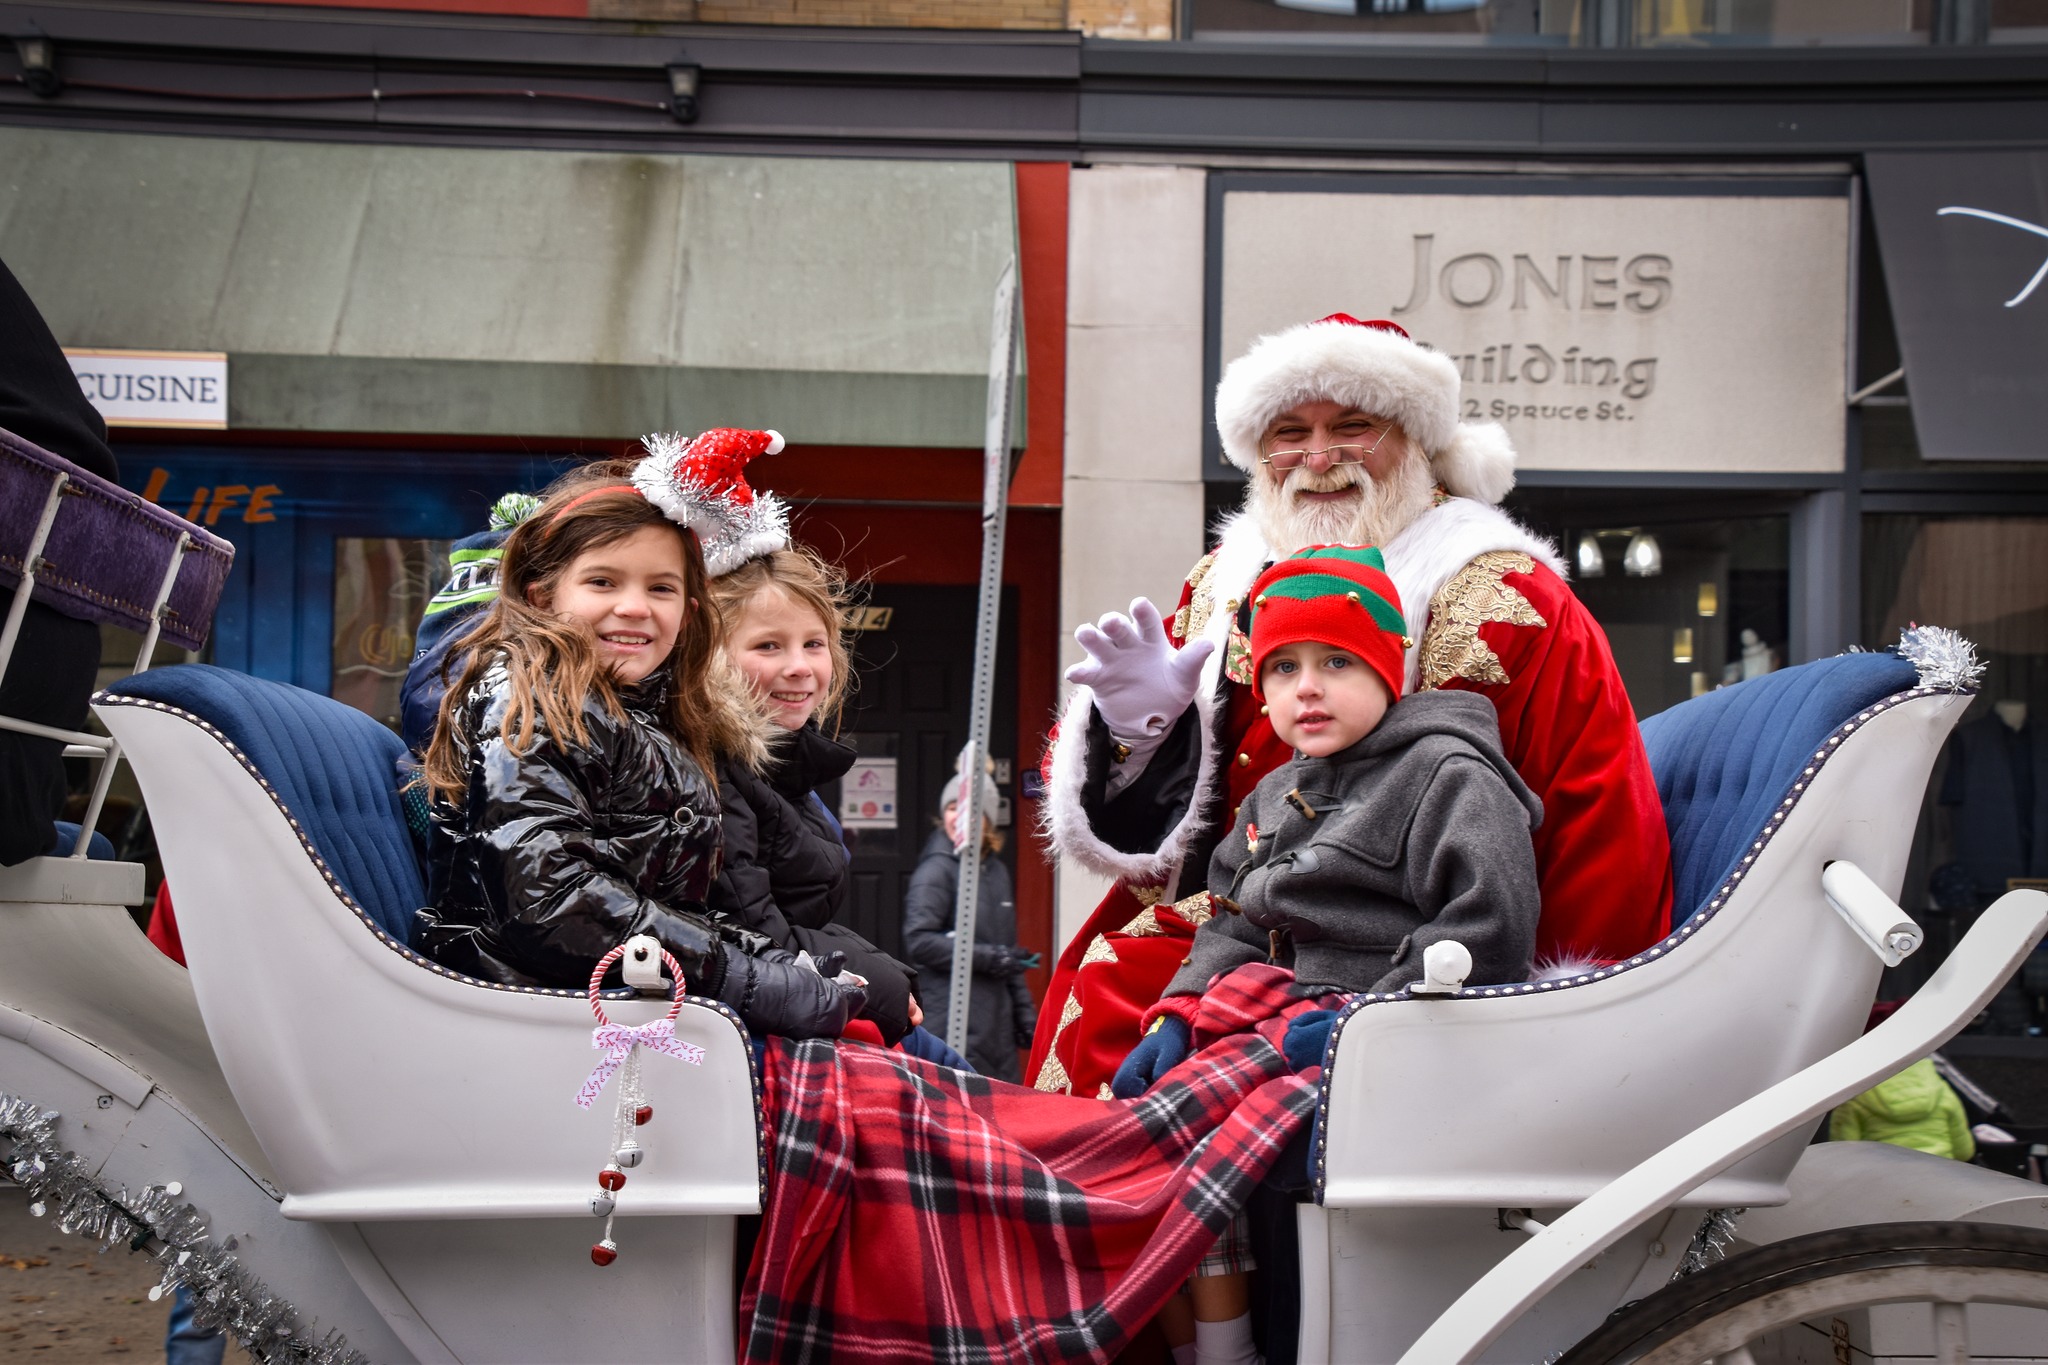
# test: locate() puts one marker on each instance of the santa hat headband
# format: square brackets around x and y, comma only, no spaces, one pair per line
[701,484]
[1376,368]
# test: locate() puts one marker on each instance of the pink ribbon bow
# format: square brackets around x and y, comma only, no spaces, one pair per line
[617,1041]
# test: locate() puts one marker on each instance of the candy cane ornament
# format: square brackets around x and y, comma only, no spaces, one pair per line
[621,1046]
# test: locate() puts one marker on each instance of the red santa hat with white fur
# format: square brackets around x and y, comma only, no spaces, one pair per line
[1375,367]
[701,483]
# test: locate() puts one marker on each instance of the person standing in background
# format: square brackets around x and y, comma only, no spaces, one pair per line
[1001,1015]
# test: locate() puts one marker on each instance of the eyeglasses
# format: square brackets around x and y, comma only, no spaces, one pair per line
[1288,460]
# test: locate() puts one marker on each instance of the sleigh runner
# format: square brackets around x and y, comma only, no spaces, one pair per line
[351,1151]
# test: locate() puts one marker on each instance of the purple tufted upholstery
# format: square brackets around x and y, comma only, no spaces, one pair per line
[107,550]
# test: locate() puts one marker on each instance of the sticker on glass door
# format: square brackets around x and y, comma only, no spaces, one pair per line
[867,794]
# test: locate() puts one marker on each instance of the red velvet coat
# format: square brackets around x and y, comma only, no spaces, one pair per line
[1501,622]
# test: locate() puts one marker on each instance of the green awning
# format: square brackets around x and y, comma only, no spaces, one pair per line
[517,292]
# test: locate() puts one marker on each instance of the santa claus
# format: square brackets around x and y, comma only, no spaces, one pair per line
[1349,432]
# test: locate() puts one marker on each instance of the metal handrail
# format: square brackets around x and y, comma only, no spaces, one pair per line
[79,743]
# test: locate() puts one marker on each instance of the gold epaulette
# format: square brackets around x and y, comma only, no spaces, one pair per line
[1474,596]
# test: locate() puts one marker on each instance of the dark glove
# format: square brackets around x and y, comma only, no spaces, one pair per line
[1026,1032]
[774,993]
[1308,1038]
[1157,1053]
[1004,959]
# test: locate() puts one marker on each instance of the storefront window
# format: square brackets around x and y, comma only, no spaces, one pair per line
[1890,444]
[2019,21]
[1704,22]
[1688,604]
[1602,23]
[381,587]
[1984,825]
[1388,20]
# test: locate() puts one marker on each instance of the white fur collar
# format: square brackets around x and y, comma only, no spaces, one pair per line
[1420,560]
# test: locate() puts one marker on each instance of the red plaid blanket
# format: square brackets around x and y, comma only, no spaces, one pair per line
[917,1213]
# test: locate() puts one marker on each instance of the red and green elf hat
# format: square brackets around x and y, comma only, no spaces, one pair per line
[1332,595]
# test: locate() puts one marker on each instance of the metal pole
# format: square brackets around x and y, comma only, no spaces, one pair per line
[995,478]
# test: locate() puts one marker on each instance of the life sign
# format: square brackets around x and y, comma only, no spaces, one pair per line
[154,388]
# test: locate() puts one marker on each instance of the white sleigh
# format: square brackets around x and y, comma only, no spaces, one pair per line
[393,1147]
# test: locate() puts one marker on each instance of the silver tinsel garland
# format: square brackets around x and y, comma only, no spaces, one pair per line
[1709,1246]
[1944,658]
[225,1296]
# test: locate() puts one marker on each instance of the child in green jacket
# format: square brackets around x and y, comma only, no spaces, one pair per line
[1915,1108]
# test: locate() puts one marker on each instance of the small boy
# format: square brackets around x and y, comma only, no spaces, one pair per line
[1398,824]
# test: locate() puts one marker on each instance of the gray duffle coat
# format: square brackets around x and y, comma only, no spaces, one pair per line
[1346,868]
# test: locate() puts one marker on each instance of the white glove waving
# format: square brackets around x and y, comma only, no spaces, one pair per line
[1142,683]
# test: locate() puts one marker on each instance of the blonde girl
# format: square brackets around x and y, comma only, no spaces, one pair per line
[786,860]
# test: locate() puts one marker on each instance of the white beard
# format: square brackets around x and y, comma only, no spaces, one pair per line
[1386,507]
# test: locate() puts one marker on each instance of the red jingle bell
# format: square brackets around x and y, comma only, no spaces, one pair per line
[643,1113]
[605,1252]
[611,1178]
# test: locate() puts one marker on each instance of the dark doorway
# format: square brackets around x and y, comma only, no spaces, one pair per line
[909,712]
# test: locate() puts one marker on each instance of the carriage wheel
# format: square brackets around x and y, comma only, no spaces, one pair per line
[1768,1304]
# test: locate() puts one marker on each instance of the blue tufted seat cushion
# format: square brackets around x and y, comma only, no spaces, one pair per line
[1724,760]
[331,765]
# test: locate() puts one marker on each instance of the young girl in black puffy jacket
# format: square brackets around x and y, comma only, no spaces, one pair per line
[569,769]
[785,873]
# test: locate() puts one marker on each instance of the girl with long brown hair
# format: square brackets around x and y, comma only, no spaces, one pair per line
[569,771]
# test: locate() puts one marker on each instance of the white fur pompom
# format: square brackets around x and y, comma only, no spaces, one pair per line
[1564,967]
[1478,462]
